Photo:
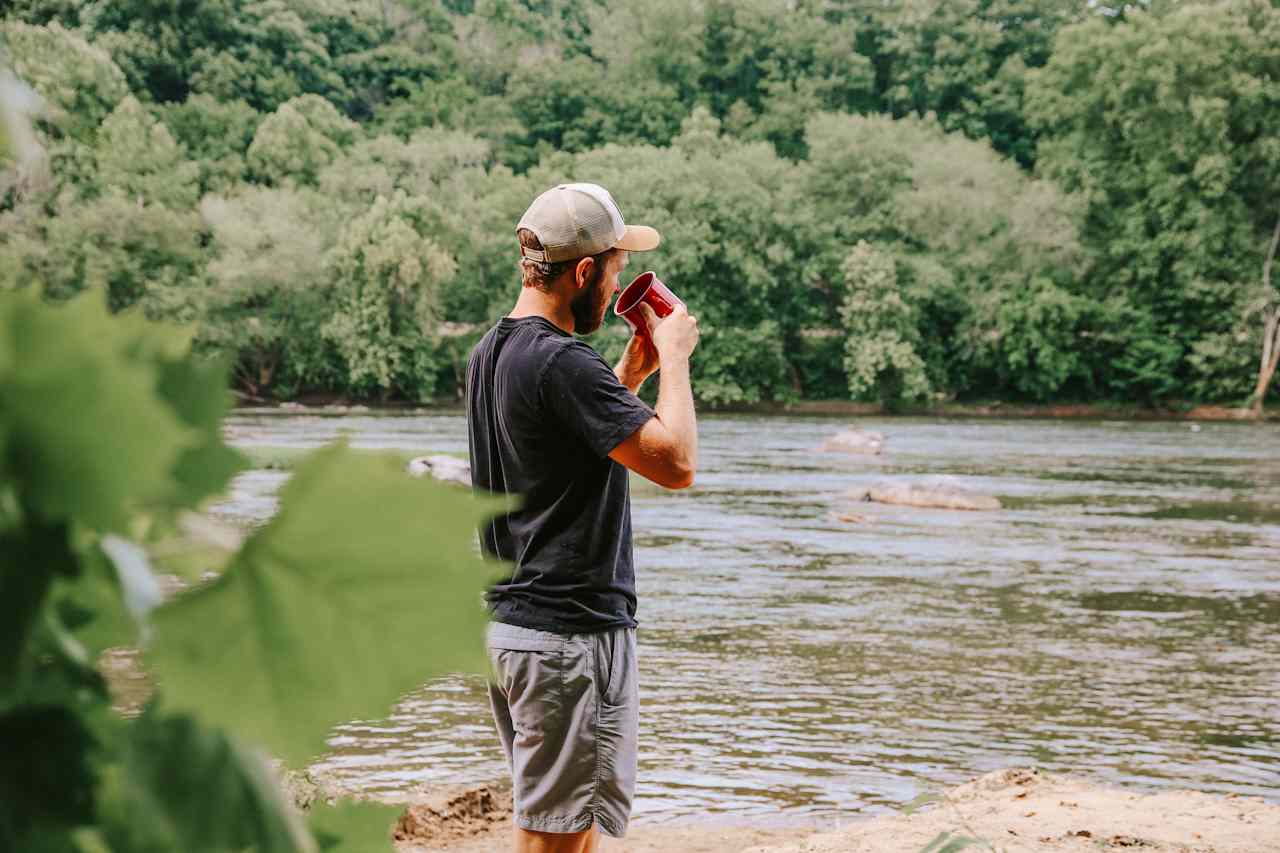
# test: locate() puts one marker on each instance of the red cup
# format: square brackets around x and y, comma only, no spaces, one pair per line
[647,288]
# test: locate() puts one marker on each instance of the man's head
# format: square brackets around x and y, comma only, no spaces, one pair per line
[573,243]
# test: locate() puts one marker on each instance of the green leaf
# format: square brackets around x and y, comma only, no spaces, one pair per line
[46,781]
[87,437]
[366,584]
[198,394]
[182,787]
[92,606]
[350,826]
[30,559]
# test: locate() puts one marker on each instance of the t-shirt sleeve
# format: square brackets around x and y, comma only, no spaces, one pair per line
[583,393]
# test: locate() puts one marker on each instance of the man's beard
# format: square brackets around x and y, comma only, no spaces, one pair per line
[588,306]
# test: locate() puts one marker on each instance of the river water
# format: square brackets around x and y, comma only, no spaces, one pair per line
[805,657]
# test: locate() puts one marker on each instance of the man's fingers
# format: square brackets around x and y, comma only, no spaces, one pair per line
[650,316]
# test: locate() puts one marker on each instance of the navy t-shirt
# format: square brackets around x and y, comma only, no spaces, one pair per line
[544,411]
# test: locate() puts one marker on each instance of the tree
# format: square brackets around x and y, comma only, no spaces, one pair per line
[387,274]
[22,157]
[1167,127]
[136,154]
[268,298]
[1270,298]
[299,139]
[767,66]
[216,135]
[381,165]
[135,254]
[126,227]
[973,239]
[78,82]
[966,61]
[264,52]
[881,358]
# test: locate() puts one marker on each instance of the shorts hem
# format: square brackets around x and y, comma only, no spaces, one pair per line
[556,824]
[612,829]
[580,823]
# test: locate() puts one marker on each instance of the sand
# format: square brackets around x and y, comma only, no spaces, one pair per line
[1010,810]
[1023,810]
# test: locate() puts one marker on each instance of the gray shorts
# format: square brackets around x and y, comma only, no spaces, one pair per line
[567,708]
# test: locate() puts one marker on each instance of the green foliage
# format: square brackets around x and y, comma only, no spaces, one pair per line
[1039,352]
[1178,160]
[321,616]
[78,81]
[264,300]
[337,826]
[110,435]
[881,357]
[737,365]
[135,253]
[299,139]
[967,61]
[764,138]
[264,52]
[52,372]
[972,237]
[387,273]
[137,155]
[216,135]
[147,803]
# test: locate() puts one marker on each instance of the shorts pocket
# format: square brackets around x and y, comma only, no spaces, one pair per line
[616,666]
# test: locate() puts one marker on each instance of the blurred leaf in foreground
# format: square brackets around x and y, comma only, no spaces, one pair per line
[354,827]
[85,436]
[151,806]
[365,585]
[46,782]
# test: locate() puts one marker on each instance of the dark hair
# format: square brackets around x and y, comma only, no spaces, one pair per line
[540,274]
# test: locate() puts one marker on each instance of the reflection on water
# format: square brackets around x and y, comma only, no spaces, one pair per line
[1117,618]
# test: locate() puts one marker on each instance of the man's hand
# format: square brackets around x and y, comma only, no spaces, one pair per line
[639,361]
[665,449]
[675,335]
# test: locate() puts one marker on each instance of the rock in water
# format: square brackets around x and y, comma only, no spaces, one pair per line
[447,469]
[855,441]
[939,492]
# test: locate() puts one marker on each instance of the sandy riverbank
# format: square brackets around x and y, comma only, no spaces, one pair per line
[1011,810]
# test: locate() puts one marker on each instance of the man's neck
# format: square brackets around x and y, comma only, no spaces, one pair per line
[538,303]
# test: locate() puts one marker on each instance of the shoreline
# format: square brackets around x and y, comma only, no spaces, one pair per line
[336,406]
[1016,809]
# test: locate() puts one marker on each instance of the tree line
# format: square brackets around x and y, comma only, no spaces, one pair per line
[908,202]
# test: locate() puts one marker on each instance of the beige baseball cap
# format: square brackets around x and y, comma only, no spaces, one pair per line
[577,220]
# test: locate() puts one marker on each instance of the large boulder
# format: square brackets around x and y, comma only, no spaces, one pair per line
[937,492]
[855,441]
[448,469]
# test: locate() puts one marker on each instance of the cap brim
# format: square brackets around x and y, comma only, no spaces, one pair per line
[639,238]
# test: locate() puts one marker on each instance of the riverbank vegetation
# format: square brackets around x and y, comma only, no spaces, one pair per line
[905,203]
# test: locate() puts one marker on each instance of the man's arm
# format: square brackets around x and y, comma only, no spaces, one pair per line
[639,361]
[665,450]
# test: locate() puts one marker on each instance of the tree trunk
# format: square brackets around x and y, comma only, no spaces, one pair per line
[1270,330]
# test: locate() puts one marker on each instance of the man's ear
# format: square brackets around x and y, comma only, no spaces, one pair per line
[582,272]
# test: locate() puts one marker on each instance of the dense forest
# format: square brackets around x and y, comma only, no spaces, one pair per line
[908,201]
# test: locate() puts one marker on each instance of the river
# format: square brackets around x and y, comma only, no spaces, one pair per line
[1119,618]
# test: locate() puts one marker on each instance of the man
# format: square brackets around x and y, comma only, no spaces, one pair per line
[550,421]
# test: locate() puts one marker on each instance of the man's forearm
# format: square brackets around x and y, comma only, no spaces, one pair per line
[675,408]
[631,378]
